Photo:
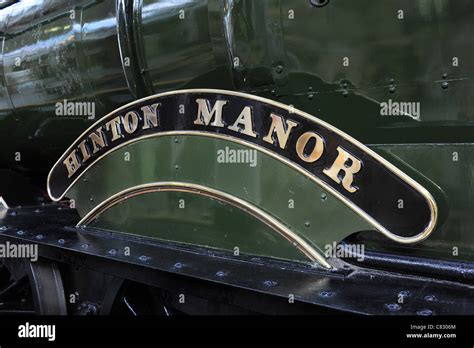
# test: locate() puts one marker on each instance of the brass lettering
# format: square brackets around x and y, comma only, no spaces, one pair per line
[349,170]
[244,119]
[130,122]
[98,141]
[204,116]
[150,115]
[278,128]
[84,151]
[317,150]
[114,126]
[71,163]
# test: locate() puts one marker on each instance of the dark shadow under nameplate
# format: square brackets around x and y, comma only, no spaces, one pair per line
[347,169]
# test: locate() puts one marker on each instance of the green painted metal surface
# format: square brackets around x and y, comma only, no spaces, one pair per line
[182,217]
[269,185]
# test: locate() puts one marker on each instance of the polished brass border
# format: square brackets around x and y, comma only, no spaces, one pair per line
[415,185]
[174,186]
[3,204]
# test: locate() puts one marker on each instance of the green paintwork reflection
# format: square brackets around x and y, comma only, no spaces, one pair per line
[63,57]
[188,218]
[79,59]
[270,185]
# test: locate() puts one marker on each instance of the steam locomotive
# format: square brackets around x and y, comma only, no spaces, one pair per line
[236,157]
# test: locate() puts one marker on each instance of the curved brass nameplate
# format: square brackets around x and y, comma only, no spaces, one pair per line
[360,178]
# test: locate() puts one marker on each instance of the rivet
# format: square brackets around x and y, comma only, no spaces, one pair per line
[392,89]
[178,265]
[13,213]
[39,236]
[445,85]
[85,246]
[404,293]
[112,251]
[3,228]
[269,283]
[176,140]
[392,81]
[307,224]
[143,258]
[176,167]
[91,199]
[431,298]
[20,232]
[445,76]
[393,307]
[273,92]
[424,312]
[310,96]
[326,294]
[61,241]
[324,196]
[345,93]
[279,69]
[36,210]
[220,274]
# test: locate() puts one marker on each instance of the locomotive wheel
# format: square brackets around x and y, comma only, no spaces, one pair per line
[31,288]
